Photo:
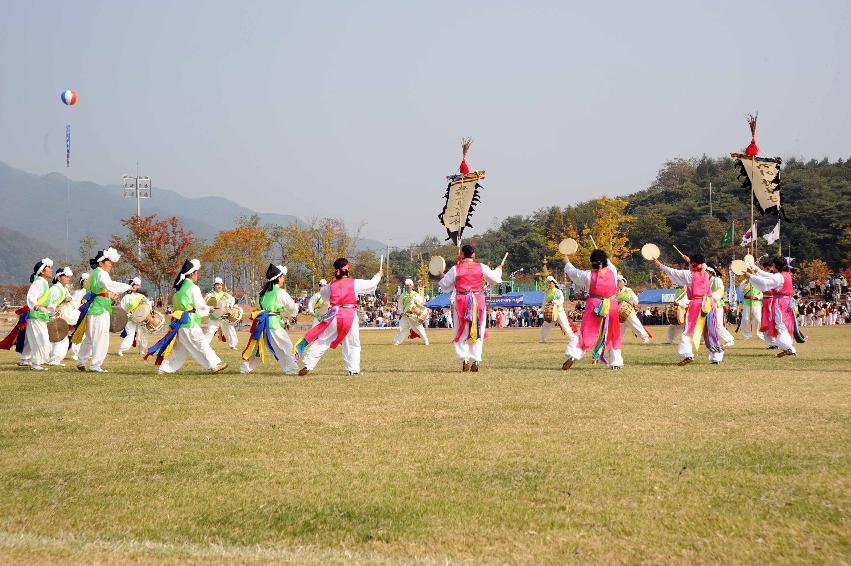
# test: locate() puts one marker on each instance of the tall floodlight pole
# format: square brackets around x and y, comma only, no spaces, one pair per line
[137,187]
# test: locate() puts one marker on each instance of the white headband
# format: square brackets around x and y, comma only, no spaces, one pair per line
[322,282]
[218,281]
[66,271]
[196,265]
[282,270]
[409,282]
[136,281]
[110,254]
[46,262]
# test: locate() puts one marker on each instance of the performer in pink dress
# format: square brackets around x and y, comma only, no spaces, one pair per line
[467,279]
[600,330]
[340,324]
[701,312]
[779,320]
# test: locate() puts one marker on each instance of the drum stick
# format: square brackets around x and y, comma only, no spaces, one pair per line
[381,263]
[592,241]
[505,257]
[678,251]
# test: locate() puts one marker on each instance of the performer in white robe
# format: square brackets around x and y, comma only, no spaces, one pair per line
[215,323]
[268,336]
[682,302]
[37,347]
[555,296]
[100,289]
[627,295]
[316,306]
[59,295]
[76,301]
[407,325]
[778,290]
[716,284]
[340,324]
[185,336]
[751,311]
[467,281]
[132,331]
[696,281]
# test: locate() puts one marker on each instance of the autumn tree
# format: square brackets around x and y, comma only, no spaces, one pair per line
[241,254]
[164,244]
[316,245]
[815,270]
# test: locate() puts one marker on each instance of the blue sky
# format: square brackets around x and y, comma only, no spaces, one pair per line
[355,109]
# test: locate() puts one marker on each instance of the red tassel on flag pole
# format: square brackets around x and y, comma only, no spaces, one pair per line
[752,149]
[465,147]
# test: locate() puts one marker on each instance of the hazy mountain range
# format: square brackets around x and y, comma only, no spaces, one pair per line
[34,206]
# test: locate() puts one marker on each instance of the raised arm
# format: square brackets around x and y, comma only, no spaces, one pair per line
[492,276]
[581,277]
[678,276]
[364,286]
[447,284]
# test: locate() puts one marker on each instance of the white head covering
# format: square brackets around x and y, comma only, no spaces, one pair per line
[218,281]
[84,277]
[190,266]
[136,281]
[622,278]
[66,271]
[409,282]
[709,269]
[109,253]
[551,278]
[275,271]
[46,262]
[322,282]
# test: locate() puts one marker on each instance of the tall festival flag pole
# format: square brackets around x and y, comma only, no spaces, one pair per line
[460,199]
[68,98]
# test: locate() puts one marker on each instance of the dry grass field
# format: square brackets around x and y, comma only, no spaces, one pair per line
[413,461]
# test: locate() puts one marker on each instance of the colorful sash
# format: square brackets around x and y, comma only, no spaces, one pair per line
[797,333]
[343,315]
[80,329]
[260,339]
[706,326]
[468,315]
[164,346]
[602,311]
[18,334]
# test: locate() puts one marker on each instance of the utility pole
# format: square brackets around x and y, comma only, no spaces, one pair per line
[137,187]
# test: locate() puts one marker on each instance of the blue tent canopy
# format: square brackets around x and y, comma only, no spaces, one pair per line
[521,299]
[665,296]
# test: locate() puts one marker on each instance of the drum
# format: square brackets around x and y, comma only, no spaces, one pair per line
[436,265]
[550,312]
[738,267]
[118,320]
[232,314]
[57,330]
[154,322]
[675,314]
[568,246]
[625,310]
[69,313]
[141,312]
[650,252]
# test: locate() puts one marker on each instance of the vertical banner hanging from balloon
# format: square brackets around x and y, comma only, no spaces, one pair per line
[67,145]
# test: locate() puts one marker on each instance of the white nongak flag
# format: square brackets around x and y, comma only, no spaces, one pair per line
[461,198]
[764,176]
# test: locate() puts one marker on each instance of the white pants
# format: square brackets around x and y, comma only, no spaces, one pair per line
[573,350]
[784,340]
[685,349]
[58,350]
[95,344]
[38,341]
[672,332]
[751,320]
[464,351]
[724,335]
[350,346]
[405,327]
[283,347]
[139,332]
[636,327]
[562,322]
[228,331]
[190,341]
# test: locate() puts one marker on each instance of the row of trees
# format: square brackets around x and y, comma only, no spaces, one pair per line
[673,210]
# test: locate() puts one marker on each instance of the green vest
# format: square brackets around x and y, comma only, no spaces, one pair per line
[717,284]
[219,296]
[407,299]
[100,305]
[751,295]
[137,299]
[552,295]
[43,301]
[269,302]
[181,301]
[63,292]
[624,295]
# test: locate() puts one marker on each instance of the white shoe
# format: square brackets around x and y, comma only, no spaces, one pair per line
[60,364]
[24,364]
[97,369]
[120,353]
[37,368]
[245,370]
